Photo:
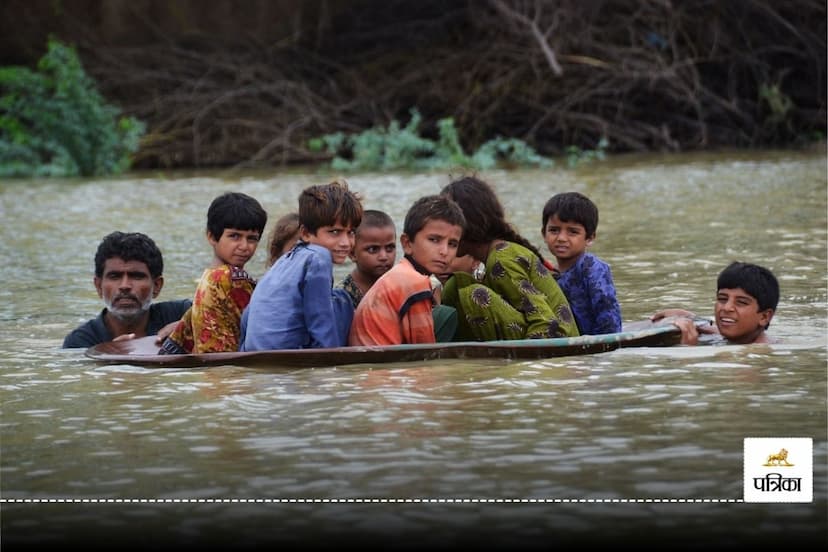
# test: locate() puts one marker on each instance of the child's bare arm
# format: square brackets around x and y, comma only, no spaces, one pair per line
[672,312]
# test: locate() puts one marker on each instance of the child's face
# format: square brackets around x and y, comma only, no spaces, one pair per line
[375,250]
[235,247]
[338,239]
[435,246]
[738,316]
[565,240]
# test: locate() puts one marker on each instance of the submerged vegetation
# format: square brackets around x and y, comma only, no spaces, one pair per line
[402,147]
[54,122]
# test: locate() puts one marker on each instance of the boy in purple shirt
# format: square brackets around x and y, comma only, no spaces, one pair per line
[569,224]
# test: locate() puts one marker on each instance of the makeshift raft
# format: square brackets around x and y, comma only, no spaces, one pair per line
[144,351]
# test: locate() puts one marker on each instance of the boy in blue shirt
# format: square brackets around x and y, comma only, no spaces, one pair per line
[569,224]
[294,305]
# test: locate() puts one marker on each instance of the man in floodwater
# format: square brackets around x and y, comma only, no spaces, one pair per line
[128,276]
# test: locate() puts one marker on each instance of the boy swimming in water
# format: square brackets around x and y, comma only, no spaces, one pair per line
[745,304]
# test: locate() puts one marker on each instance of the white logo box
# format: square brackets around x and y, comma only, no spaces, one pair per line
[778,469]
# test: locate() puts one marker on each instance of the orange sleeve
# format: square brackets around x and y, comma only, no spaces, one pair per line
[397,309]
[375,323]
[418,323]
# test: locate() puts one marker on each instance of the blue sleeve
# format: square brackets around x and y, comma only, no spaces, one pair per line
[343,305]
[320,318]
[243,328]
[602,297]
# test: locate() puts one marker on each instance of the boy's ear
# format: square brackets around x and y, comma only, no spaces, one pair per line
[303,233]
[765,317]
[406,243]
[210,237]
[591,239]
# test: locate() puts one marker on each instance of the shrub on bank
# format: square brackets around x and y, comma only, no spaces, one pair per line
[53,122]
[398,147]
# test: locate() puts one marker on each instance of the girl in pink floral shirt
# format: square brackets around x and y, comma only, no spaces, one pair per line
[235,223]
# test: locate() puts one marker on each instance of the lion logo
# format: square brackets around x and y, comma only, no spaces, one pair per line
[778,459]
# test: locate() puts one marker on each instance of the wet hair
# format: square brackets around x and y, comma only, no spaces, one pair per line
[286,228]
[129,246]
[757,281]
[372,218]
[327,204]
[572,207]
[235,210]
[485,218]
[433,207]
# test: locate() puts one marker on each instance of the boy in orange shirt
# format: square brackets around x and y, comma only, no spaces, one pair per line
[398,307]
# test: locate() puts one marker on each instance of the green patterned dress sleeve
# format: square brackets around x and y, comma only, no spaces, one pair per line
[517,299]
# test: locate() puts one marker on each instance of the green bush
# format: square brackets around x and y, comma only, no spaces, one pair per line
[53,122]
[576,156]
[397,147]
[779,104]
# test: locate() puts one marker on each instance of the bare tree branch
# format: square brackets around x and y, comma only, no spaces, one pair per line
[539,36]
[654,75]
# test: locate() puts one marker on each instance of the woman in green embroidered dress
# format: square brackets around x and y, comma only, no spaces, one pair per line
[518,297]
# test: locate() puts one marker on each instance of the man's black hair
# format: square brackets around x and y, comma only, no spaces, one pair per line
[129,246]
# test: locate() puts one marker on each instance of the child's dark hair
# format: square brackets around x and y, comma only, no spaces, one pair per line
[756,280]
[371,218]
[327,204]
[129,246]
[572,207]
[433,207]
[485,218]
[286,228]
[235,210]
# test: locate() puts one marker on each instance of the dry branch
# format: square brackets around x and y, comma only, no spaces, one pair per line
[645,75]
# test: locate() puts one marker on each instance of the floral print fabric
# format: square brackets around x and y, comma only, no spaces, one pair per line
[211,325]
[518,298]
